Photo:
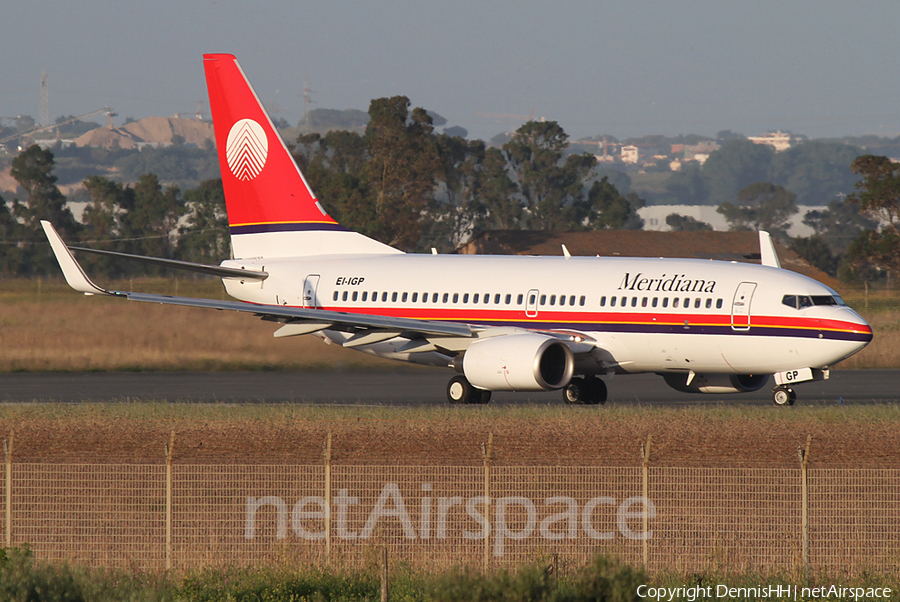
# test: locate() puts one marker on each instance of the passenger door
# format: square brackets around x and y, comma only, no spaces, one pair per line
[310,285]
[740,306]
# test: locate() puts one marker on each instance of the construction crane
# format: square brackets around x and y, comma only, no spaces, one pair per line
[35,130]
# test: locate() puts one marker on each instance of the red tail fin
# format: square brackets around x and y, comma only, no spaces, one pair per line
[271,208]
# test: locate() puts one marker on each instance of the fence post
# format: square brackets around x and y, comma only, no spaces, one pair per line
[328,497]
[804,505]
[645,461]
[486,452]
[168,448]
[384,574]
[8,449]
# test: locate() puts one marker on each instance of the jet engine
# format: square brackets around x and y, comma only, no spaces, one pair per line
[716,383]
[518,362]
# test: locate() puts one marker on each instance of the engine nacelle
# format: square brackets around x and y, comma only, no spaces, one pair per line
[716,383]
[519,362]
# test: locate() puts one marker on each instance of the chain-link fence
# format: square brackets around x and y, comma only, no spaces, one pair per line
[693,519]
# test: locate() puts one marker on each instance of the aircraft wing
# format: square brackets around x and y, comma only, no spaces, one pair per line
[313,319]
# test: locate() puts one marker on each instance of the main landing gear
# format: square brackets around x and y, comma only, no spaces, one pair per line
[461,391]
[783,395]
[588,391]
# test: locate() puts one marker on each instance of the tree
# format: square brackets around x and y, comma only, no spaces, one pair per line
[686,223]
[687,187]
[815,171]
[551,186]
[10,251]
[205,237]
[878,192]
[503,211]
[454,216]
[838,224]
[609,210]
[33,170]
[816,251]
[402,169]
[878,196]
[735,166]
[152,221]
[109,202]
[761,206]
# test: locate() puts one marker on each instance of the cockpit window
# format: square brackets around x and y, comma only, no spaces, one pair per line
[804,301]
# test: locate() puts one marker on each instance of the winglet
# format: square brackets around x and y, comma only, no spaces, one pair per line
[767,253]
[75,276]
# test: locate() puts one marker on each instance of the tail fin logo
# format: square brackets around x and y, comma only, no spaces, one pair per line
[246,149]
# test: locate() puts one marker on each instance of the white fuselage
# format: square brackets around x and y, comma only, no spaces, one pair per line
[634,314]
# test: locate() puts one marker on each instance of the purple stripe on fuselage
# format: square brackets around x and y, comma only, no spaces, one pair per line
[291,227]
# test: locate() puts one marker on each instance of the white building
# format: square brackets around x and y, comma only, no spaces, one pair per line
[630,154]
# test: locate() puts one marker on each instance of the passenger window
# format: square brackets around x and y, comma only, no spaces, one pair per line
[434,297]
[655,299]
[474,298]
[644,302]
[624,301]
[543,299]
[415,297]
[718,304]
[365,296]
[466,298]
[508,299]
[487,297]
[497,299]
[456,297]
[697,303]
[572,300]
[335,297]
[687,303]
[405,296]
[612,301]
[675,302]
[552,299]
[634,302]
[384,297]
[708,303]
[355,295]
[665,302]
[344,296]
[581,301]
[446,297]
[602,301]
[394,297]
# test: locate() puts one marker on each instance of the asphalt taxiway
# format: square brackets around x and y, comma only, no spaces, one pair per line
[421,387]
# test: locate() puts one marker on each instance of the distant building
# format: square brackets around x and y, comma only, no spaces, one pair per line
[630,154]
[780,141]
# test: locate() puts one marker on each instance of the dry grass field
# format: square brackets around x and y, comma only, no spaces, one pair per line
[723,436]
[45,326]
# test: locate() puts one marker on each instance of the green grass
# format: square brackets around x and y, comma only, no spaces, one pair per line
[888,414]
[23,578]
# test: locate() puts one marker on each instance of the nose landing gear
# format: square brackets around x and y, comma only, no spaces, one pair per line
[783,396]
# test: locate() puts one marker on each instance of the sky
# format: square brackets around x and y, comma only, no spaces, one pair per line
[824,68]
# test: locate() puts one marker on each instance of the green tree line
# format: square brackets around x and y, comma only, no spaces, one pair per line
[405,184]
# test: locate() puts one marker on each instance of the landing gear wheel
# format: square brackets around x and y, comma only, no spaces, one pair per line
[461,391]
[590,391]
[599,390]
[577,391]
[783,396]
